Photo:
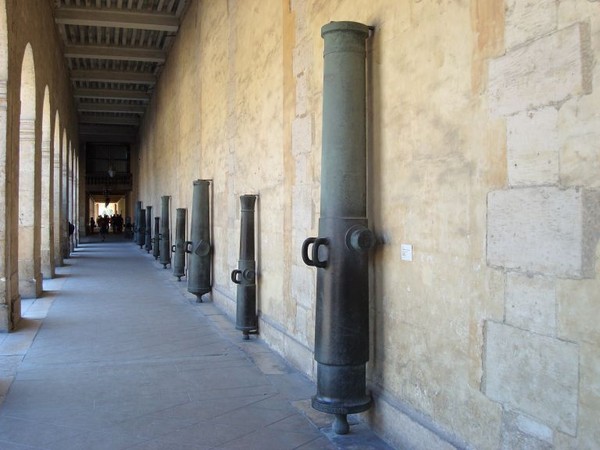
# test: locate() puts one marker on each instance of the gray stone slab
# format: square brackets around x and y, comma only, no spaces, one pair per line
[542,72]
[536,374]
[271,438]
[321,443]
[96,441]
[33,433]
[542,230]
[530,303]
[293,385]
[359,438]
[160,444]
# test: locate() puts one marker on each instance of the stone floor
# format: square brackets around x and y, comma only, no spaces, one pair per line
[117,355]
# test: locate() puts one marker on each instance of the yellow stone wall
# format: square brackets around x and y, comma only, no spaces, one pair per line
[239,102]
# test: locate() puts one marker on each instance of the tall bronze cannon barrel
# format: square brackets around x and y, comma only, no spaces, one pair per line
[142,229]
[148,228]
[179,246]
[245,275]
[136,222]
[165,232]
[341,251]
[199,246]
[156,238]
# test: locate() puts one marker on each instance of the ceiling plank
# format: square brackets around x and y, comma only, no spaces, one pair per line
[111,107]
[117,19]
[100,130]
[113,94]
[180,8]
[109,120]
[115,53]
[113,76]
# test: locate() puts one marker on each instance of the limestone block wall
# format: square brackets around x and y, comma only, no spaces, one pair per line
[543,227]
[28,34]
[482,155]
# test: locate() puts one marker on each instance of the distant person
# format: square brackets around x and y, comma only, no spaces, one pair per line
[103,224]
[128,228]
[92,225]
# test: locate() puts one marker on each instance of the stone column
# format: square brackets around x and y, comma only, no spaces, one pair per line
[30,277]
[9,306]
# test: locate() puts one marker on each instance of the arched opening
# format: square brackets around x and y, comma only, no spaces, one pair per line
[57,187]
[47,213]
[30,283]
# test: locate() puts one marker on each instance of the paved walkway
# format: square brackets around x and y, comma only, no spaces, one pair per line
[116,355]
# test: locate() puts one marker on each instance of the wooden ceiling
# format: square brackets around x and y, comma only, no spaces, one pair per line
[115,51]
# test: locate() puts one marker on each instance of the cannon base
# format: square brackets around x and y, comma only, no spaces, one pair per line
[341,391]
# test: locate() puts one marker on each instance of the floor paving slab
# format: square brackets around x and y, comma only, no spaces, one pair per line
[117,355]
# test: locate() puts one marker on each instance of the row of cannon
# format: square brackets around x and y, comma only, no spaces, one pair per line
[199,249]
[340,251]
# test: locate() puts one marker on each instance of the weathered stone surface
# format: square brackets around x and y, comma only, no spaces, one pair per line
[522,432]
[301,96]
[579,141]
[564,441]
[544,230]
[531,303]
[303,285]
[404,431]
[578,308]
[535,374]
[589,432]
[4,318]
[546,71]
[297,353]
[526,20]
[532,148]
[302,135]
[303,207]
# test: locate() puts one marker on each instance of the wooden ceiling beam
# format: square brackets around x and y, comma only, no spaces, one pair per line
[113,76]
[112,94]
[107,130]
[115,53]
[109,120]
[111,107]
[117,19]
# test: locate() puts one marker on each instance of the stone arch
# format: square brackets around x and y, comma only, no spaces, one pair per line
[30,283]
[57,187]
[47,213]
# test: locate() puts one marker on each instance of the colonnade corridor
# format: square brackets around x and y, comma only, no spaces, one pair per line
[116,355]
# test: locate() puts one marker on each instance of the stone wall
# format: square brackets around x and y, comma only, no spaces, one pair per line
[543,227]
[483,156]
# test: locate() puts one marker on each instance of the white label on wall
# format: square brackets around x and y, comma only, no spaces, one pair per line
[406,252]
